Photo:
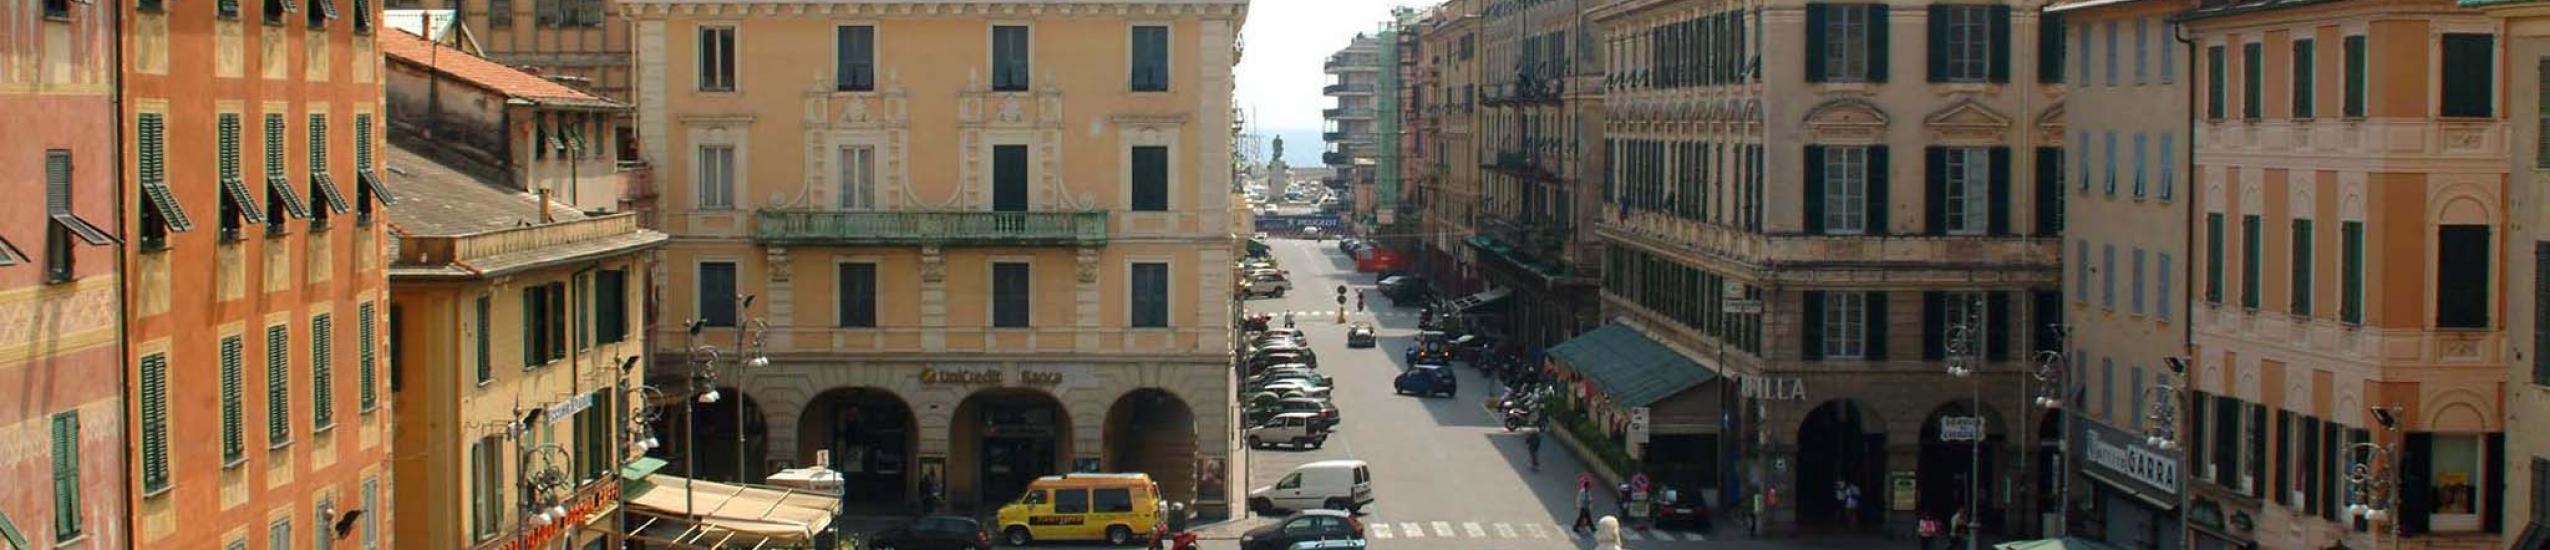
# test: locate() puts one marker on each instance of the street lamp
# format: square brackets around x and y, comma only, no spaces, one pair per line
[2374,476]
[751,339]
[545,484]
[2051,368]
[1964,346]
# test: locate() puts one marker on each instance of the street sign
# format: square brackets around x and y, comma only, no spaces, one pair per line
[1638,425]
[1744,307]
[1784,388]
[1731,290]
[1960,428]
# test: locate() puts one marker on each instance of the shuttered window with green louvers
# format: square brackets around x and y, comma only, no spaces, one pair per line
[154,412]
[161,213]
[227,9]
[278,386]
[363,334]
[234,440]
[367,186]
[281,198]
[322,186]
[322,373]
[238,205]
[66,476]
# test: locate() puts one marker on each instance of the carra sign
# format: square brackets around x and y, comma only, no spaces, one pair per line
[988,377]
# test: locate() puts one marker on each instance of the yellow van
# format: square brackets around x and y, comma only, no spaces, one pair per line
[1117,508]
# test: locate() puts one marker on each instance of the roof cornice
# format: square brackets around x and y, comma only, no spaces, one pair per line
[938,8]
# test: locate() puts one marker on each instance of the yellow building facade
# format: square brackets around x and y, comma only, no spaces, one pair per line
[978,242]
[2526,27]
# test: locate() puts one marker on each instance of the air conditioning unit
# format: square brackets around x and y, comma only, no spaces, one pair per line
[2248,484]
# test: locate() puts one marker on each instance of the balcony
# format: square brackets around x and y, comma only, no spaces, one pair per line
[1338,89]
[937,228]
[1334,113]
[1335,159]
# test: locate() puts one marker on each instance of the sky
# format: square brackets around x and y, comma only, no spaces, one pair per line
[1279,73]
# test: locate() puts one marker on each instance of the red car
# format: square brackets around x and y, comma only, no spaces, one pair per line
[1676,508]
[1256,322]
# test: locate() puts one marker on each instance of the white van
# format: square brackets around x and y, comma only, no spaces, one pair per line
[1330,484]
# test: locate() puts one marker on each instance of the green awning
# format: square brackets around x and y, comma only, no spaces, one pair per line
[9,534]
[1634,370]
[642,467]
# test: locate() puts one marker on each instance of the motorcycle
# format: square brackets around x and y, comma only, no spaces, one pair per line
[1182,540]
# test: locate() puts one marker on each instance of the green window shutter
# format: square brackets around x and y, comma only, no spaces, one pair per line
[555,318]
[532,333]
[364,334]
[66,475]
[2304,79]
[486,328]
[2251,260]
[1816,37]
[2253,70]
[1811,326]
[234,442]
[583,312]
[229,143]
[2301,283]
[2355,78]
[322,372]
[2213,257]
[1814,203]
[154,412]
[1150,178]
[278,385]
[2469,73]
[2049,48]
[2214,75]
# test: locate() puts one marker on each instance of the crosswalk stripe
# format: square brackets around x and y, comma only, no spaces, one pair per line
[1443,529]
[1504,531]
[1380,530]
[1536,531]
[1414,531]
[1631,534]
[1474,530]
[1661,536]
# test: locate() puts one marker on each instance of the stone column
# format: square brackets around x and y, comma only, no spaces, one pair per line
[781,301]
[1086,303]
[933,299]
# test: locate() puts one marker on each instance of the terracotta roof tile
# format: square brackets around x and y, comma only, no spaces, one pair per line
[405,47]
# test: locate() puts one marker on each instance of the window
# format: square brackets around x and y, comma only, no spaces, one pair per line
[2355,77]
[2213,257]
[278,386]
[2081,262]
[858,294]
[2107,276]
[367,184]
[362,16]
[2134,416]
[610,306]
[1845,325]
[319,531]
[2137,280]
[1150,178]
[716,181]
[2113,49]
[500,14]
[2110,188]
[2142,50]
[281,198]
[1847,42]
[66,476]
[2140,167]
[2540,322]
[2049,45]
[2455,476]
[858,177]
[1010,60]
[1969,182]
[2081,76]
[364,334]
[2161,278]
[2107,388]
[1071,501]
[319,13]
[2304,60]
[58,254]
[279,534]
[371,519]
[1150,295]
[161,214]
[2214,75]
[1010,294]
[2301,283]
[544,324]
[1846,190]
[717,294]
[2462,255]
[1150,63]
[855,58]
[2252,260]
[234,440]
[2351,271]
[2253,69]
[1965,40]
[324,197]
[2168,52]
[2049,191]
[1112,501]
[486,338]
[154,413]
[238,205]
[717,59]
[322,373]
[2470,75]
[1009,178]
[2168,167]
[486,477]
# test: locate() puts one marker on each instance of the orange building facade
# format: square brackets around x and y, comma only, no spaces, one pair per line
[2350,249]
[256,299]
[64,473]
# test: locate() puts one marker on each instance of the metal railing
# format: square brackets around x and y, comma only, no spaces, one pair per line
[941,228]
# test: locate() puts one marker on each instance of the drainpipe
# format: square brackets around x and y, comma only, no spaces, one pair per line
[123,339]
[2187,242]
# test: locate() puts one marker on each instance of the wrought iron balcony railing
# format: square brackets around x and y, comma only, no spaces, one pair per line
[933,228]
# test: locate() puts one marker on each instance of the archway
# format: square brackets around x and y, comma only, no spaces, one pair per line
[1153,431]
[1841,442]
[1003,438]
[1952,473]
[869,432]
[721,430]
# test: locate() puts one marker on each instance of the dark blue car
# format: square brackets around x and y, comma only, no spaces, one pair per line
[1426,379]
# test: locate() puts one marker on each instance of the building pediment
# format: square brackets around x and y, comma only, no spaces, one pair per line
[1967,120]
[1846,120]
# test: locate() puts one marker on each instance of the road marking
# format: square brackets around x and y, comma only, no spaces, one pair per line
[1380,530]
[1504,531]
[1536,531]
[1474,530]
[1631,534]
[1443,529]
[1414,531]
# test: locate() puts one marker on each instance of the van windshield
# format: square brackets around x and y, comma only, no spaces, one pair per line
[1031,498]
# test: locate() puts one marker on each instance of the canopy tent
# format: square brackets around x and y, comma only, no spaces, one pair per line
[2065,543]
[688,513]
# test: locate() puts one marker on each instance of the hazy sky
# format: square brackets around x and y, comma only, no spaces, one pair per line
[1279,75]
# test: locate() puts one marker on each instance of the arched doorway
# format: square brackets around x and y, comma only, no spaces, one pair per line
[1002,438]
[1952,473]
[1153,432]
[1841,442]
[732,425]
[869,432]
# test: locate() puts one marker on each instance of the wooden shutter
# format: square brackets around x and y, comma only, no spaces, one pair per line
[1874,349]
[234,443]
[322,372]
[1150,178]
[278,385]
[1996,325]
[486,335]
[2253,61]
[2492,484]
[1935,188]
[1816,37]
[2299,282]
[2281,491]
[1998,207]
[364,333]
[2049,192]
[2540,314]
[2469,72]
[2355,78]
[2351,271]
[1880,198]
[154,410]
[2000,21]
[1938,41]
[2215,75]
[2049,48]
[2415,477]
[556,318]
[2304,83]
[2252,261]
[1934,311]
[67,508]
[531,331]
[2462,255]
[1811,326]
[1814,189]
[2213,257]
[2307,470]
[1875,47]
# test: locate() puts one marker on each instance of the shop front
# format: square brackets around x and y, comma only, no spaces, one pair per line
[2134,502]
[1655,404]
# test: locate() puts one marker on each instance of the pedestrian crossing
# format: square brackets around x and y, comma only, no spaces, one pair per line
[1378,529]
[1331,314]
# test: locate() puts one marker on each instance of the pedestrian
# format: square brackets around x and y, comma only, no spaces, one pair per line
[1929,530]
[1848,494]
[929,494]
[1957,526]
[1584,506]
[1607,534]
[1288,319]
[1532,443]
[1753,514]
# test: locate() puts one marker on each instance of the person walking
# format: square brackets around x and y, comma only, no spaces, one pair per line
[1584,506]
[1929,530]
[929,494]
[1957,526]
[1607,534]
[1532,444]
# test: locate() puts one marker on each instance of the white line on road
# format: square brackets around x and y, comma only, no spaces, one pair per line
[1631,534]
[1380,530]
[1474,530]
[1535,528]
[1504,531]
[1443,529]
[1414,531]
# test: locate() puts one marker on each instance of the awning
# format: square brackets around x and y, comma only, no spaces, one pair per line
[2065,543]
[2127,489]
[713,515]
[1634,370]
[1477,302]
[9,534]
[2536,536]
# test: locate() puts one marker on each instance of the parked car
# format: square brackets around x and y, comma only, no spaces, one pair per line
[1294,334]
[1259,363]
[1469,347]
[1327,412]
[1328,484]
[1307,526]
[1266,283]
[1295,387]
[1359,335]
[1432,346]
[1426,380]
[1332,544]
[1300,430]
[934,533]
[1116,508]
[1311,376]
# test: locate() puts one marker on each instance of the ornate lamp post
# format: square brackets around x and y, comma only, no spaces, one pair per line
[1964,348]
[751,339]
[2051,368]
[2374,476]
[546,486]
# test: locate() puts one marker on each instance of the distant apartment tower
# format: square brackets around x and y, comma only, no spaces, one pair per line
[60,284]
[1539,114]
[255,296]
[1354,79]
[1445,202]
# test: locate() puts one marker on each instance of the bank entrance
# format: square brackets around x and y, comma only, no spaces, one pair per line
[1004,438]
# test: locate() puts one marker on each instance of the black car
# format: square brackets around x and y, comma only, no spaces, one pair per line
[934,533]
[1306,525]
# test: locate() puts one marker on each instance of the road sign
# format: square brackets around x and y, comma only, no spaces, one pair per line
[1960,428]
[1744,307]
[1731,290]
[1638,425]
